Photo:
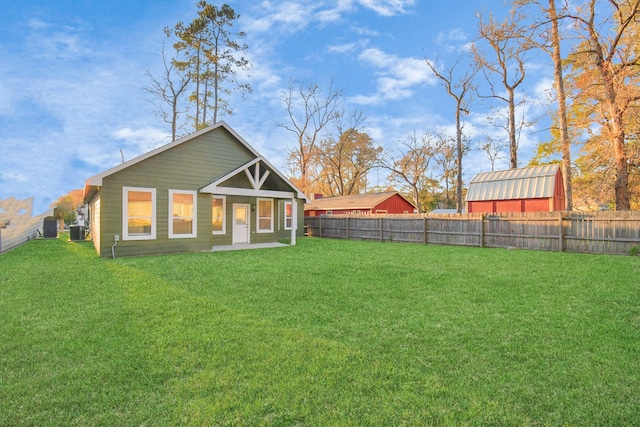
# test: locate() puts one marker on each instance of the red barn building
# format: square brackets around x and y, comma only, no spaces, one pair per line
[531,189]
[385,203]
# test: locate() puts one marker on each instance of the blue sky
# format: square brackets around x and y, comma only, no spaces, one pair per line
[73,73]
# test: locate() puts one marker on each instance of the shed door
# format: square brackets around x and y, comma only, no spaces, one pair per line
[241,223]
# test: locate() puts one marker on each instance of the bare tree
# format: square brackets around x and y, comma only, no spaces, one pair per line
[510,50]
[168,90]
[493,148]
[446,157]
[410,162]
[546,36]
[309,111]
[460,89]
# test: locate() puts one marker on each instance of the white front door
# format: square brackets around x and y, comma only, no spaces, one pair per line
[241,223]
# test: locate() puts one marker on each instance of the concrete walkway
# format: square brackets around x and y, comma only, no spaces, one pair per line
[239,247]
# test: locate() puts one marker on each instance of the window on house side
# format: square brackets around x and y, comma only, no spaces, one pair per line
[265,216]
[139,213]
[218,210]
[182,214]
[288,219]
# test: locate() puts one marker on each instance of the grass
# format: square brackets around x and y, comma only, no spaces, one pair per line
[325,333]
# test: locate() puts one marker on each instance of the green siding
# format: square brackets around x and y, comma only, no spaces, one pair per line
[187,166]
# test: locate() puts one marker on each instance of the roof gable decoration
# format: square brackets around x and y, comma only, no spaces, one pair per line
[256,180]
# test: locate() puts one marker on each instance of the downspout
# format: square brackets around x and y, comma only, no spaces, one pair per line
[294,220]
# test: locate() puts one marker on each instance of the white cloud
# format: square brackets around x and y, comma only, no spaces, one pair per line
[335,14]
[289,16]
[387,7]
[453,35]
[343,48]
[454,40]
[366,99]
[144,139]
[48,42]
[544,90]
[398,76]
[348,47]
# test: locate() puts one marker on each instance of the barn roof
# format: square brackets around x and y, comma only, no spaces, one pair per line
[525,183]
[358,201]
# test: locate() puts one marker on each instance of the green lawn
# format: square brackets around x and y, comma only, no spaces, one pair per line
[324,333]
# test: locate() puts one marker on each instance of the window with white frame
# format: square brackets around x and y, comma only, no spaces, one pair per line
[138,213]
[182,214]
[265,216]
[218,214]
[288,215]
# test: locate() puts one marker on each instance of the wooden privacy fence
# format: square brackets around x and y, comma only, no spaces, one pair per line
[594,232]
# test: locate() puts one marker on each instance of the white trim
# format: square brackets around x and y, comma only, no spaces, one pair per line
[232,191]
[194,223]
[258,217]
[125,214]
[285,215]
[224,214]
[215,187]
[248,225]
[256,180]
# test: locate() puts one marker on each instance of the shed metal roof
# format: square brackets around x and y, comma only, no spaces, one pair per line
[524,183]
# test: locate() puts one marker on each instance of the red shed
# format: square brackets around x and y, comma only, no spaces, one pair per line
[390,202]
[531,189]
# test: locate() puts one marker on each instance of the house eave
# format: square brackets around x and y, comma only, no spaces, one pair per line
[233,191]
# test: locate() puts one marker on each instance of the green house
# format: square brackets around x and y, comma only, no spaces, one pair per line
[208,190]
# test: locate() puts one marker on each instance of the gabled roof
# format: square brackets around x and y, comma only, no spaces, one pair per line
[256,180]
[358,201]
[96,180]
[524,183]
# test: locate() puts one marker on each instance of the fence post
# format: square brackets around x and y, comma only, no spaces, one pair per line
[348,227]
[482,230]
[381,228]
[425,229]
[320,226]
[561,233]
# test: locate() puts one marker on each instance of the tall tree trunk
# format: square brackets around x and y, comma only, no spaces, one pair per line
[615,113]
[216,71]
[458,160]
[621,185]
[198,79]
[205,102]
[513,141]
[562,106]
